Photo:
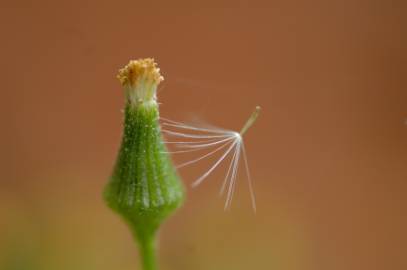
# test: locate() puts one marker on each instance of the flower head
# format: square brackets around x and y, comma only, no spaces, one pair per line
[144,187]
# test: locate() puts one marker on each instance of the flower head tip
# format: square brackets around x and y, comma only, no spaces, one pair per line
[140,79]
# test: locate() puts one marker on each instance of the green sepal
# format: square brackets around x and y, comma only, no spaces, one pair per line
[144,187]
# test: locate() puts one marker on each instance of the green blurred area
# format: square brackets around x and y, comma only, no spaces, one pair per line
[70,228]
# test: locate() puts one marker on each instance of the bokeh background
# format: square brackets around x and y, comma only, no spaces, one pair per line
[328,153]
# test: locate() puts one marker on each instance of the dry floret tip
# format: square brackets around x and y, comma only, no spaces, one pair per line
[140,79]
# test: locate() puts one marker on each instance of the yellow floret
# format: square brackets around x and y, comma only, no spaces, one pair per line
[141,69]
[140,79]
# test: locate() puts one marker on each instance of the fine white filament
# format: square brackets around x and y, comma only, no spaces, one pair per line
[194,138]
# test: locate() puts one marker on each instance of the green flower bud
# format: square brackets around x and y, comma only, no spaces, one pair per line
[144,187]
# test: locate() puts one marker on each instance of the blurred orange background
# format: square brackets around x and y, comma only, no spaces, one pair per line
[328,153]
